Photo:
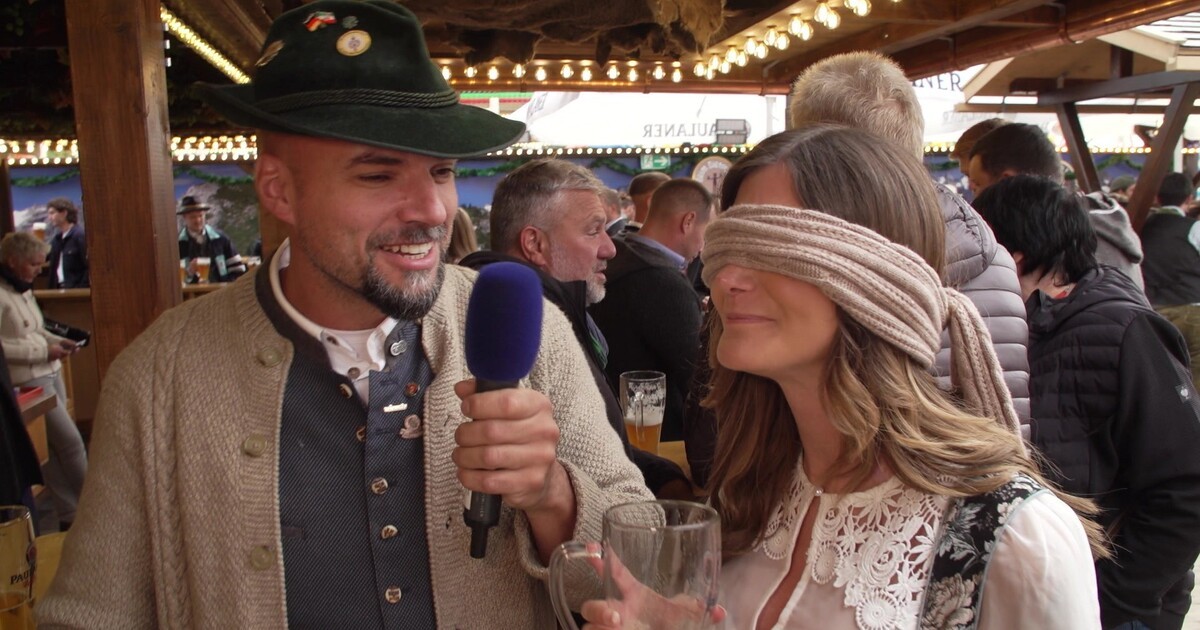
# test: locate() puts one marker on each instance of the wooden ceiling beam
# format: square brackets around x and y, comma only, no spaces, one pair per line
[235,27]
[1030,108]
[1085,20]
[890,38]
[1139,84]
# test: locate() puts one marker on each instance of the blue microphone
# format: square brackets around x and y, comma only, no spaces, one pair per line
[504,332]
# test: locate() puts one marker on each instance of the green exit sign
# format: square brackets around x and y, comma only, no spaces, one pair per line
[656,162]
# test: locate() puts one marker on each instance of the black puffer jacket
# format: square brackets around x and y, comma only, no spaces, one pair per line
[1116,415]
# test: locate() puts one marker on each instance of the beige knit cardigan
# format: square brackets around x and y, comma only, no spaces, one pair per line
[25,338]
[178,526]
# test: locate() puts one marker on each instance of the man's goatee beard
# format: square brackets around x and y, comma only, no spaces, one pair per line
[409,303]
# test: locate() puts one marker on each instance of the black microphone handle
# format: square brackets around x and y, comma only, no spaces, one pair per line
[482,511]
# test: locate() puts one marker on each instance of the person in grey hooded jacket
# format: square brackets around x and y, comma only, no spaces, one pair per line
[869,91]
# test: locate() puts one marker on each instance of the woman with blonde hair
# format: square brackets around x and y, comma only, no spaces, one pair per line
[853,492]
[33,356]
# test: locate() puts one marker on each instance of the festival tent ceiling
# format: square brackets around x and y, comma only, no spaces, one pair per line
[709,46]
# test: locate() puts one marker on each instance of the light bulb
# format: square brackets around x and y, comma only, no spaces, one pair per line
[470,72]
[700,68]
[860,8]
[567,72]
[585,74]
[822,12]
[540,73]
[676,75]
[795,24]
[731,54]
[493,73]
[742,59]
[633,74]
[659,73]
[519,70]
[614,72]
[834,20]
[709,74]
[446,72]
[751,45]
[761,53]
[783,41]
[714,62]
[725,67]
[769,38]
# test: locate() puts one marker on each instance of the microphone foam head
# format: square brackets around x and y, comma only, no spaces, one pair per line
[504,322]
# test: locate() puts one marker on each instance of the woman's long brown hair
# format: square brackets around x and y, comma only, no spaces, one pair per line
[885,405]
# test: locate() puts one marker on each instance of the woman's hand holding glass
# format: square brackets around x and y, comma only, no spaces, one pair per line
[639,603]
[658,563]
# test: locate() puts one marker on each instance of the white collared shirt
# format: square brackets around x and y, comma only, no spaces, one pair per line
[59,271]
[351,352]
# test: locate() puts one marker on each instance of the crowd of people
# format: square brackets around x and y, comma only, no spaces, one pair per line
[908,410]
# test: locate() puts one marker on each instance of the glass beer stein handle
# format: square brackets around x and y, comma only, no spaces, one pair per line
[566,553]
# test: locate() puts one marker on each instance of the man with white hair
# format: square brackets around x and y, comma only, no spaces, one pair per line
[871,92]
[549,215]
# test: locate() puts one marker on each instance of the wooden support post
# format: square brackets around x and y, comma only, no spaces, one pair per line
[120,92]
[1161,156]
[1120,62]
[1085,169]
[7,224]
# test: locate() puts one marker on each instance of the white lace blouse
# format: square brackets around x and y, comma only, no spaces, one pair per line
[871,554]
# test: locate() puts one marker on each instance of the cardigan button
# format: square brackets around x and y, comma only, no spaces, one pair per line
[255,445]
[345,391]
[262,558]
[269,357]
[393,595]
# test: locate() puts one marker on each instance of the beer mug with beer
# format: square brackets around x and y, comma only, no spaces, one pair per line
[18,559]
[202,265]
[643,402]
[39,230]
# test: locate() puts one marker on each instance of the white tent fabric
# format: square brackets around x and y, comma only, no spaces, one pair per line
[602,119]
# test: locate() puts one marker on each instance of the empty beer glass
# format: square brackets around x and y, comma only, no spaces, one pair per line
[661,562]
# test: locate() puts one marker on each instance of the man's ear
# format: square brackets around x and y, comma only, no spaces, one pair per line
[534,246]
[272,182]
[1019,259]
[687,222]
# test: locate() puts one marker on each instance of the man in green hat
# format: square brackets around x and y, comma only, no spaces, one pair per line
[293,450]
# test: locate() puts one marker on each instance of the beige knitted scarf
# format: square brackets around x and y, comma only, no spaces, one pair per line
[885,287]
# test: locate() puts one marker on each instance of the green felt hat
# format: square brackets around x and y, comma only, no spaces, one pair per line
[359,71]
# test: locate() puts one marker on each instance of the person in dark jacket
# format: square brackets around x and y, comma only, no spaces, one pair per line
[19,468]
[651,316]
[548,215]
[199,240]
[1171,241]
[1113,404]
[68,262]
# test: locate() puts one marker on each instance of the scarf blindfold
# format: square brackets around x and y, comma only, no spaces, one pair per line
[885,287]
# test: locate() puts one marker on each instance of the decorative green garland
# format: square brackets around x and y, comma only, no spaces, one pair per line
[214,179]
[678,163]
[45,180]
